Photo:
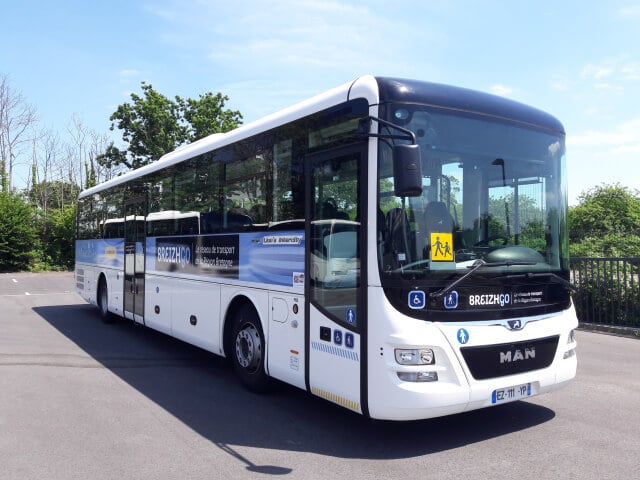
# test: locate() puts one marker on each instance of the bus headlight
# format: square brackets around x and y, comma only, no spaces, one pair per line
[414,356]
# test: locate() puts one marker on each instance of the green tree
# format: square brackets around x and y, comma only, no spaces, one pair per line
[606,222]
[206,115]
[53,195]
[153,125]
[57,235]
[18,236]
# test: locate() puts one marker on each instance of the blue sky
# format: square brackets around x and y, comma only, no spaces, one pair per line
[579,60]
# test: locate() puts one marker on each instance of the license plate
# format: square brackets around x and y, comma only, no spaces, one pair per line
[511,394]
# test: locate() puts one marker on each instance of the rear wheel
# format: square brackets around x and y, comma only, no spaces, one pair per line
[248,350]
[103,301]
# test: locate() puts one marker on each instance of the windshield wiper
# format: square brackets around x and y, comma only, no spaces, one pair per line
[565,283]
[476,265]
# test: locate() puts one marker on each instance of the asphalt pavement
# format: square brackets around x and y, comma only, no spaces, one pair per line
[80,399]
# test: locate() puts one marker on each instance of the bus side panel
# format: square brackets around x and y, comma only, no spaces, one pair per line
[195,313]
[115,286]
[286,359]
[158,300]
[85,284]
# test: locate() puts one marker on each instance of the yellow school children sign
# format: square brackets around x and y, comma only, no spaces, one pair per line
[442,247]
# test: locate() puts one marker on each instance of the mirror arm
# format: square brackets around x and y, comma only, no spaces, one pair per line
[365,129]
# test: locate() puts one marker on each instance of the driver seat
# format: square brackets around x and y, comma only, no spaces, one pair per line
[438,220]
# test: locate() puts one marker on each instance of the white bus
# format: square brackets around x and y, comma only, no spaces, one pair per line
[446,210]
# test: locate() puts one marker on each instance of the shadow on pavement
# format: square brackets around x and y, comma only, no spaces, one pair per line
[200,390]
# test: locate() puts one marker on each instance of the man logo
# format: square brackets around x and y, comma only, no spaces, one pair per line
[518,355]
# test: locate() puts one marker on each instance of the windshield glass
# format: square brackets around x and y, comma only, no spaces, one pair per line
[492,191]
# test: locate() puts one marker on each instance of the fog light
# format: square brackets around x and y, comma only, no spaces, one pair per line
[418,376]
[412,356]
[569,353]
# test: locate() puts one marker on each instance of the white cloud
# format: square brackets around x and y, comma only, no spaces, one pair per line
[624,137]
[596,72]
[630,11]
[616,70]
[631,71]
[502,90]
[561,85]
[129,73]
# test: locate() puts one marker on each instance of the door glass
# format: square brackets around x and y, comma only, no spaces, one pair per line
[335,238]
[134,232]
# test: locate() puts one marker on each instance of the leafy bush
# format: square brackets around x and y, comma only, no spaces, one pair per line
[18,234]
[57,236]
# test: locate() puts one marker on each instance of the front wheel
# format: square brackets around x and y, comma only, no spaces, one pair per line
[248,352]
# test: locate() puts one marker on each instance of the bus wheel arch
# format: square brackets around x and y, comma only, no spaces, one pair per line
[244,344]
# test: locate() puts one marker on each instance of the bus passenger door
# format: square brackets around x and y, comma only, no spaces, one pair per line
[134,259]
[335,283]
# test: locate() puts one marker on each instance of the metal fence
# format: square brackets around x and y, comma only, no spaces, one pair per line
[608,290]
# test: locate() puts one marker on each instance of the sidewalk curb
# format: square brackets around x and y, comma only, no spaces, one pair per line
[631,332]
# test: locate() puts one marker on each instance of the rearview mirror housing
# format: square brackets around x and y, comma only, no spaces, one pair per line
[407,170]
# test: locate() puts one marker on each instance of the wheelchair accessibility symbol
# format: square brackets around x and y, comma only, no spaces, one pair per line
[417,299]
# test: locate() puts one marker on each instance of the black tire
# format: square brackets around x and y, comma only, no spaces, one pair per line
[248,350]
[103,302]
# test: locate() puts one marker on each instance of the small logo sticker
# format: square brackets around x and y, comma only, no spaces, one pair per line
[417,299]
[451,300]
[337,337]
[515,324]
[349,340]
[351,316]
[463,336]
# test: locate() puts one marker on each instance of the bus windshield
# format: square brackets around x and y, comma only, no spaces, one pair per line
[493,190]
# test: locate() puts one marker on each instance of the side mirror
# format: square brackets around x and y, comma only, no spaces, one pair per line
[407,170]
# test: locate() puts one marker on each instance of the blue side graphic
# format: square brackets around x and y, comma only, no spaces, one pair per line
[275,258]
[102,252]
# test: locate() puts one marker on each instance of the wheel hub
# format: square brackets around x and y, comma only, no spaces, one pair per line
[248,348]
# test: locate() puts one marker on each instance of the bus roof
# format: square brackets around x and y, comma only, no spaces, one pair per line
[376,90]
[365,86]
[465,100]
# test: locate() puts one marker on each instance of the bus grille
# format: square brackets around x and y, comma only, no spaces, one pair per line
[494,361]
